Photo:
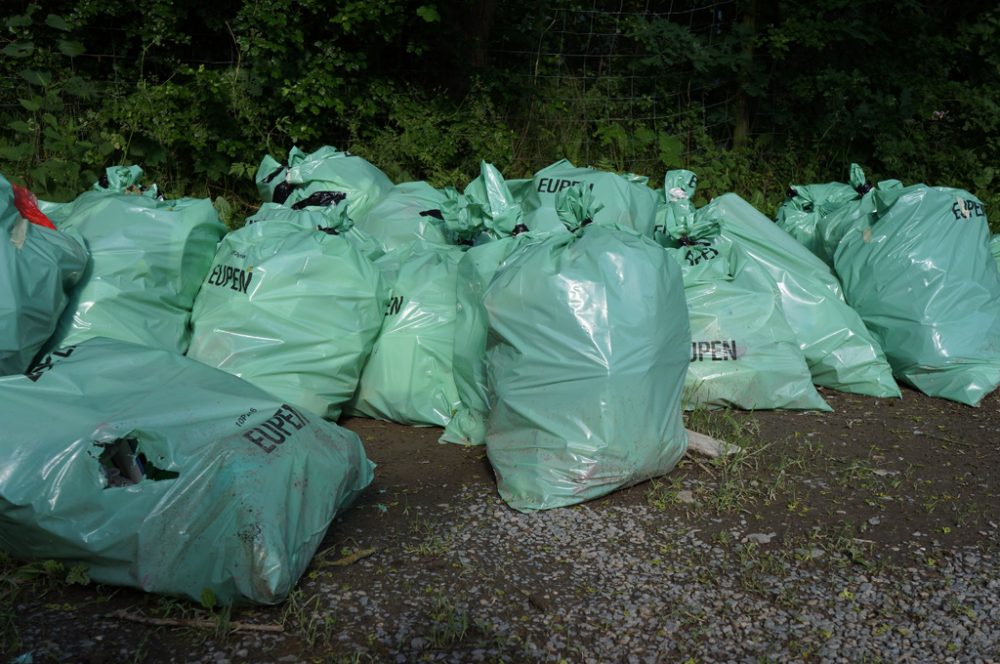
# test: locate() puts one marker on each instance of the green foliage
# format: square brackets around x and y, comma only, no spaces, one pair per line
[434,140]
[751,95]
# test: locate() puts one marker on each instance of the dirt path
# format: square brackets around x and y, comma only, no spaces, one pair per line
[866,533]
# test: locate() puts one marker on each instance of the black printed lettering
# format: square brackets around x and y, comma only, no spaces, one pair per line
[716,351]
[395,305]
[254,436]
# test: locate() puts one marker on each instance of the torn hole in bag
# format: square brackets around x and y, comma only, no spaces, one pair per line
[123,464]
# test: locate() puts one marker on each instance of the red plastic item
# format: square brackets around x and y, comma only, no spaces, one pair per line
[27,204]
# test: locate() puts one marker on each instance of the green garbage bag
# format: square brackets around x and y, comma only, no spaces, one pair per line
[483,212]
[995,247]
[588,348]
[626,199]
[148,258]
[39,267]
[519,188]
[293,308]
[842,354]
[819,216]
[922,277]
[409,213]
[497,229]
[271,177]
[806,205]
[408,377]
[743,353]
[323,177]
[162,474]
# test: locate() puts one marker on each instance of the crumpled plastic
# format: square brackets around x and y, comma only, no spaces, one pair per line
[588,348]
[39,267]
[148,258]
[162,474]
[921,275]
[292,305]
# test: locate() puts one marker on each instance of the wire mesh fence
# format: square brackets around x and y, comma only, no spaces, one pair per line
[596,77]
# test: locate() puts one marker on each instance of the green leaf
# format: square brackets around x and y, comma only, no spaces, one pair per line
[22,150]
[208,599]
[20,126]
[78,574]
[35,77]
[644,136]
[671,149]
[32,104]
[50,119]
[70,48]
[57,22]
[429,13]
[18,49]
[19,21]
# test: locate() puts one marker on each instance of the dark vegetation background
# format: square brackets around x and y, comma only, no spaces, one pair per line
[752,95]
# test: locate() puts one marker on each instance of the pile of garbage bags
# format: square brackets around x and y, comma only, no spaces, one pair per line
[918,265]
[564,321]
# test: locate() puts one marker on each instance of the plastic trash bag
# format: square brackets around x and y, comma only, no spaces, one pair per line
[162,474]
[148,258]
[995,248]
[626,199]
[408,377]
[519,188]
[410,212]
[326,176]
[484,211]
[39,266]
[842,354]
[293,307]
[922,277]
[496,228]
[806,205]
[820,215]
[743,353]
[588,349]
[271,174]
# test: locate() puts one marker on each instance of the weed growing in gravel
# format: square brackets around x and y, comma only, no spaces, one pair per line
[36,577]
[430,544]
[450,623]
[305,617]
[663,495]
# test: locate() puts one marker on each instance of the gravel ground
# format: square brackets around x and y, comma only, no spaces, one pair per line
[861,548]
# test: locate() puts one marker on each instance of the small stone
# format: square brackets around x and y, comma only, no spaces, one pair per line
[759,538]
[686,496]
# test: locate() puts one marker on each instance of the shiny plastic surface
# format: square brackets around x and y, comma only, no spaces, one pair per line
[743,353]
[360,182]
[922,277]
[820,215]
[225,489]
[488,215]
[806,205]
[626,200]
[484,211]
[475,271]
[408,376]
[148,258]
[842,354]
[587,352]
[292,309]
[39,267]
[410,212]
[995,248]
